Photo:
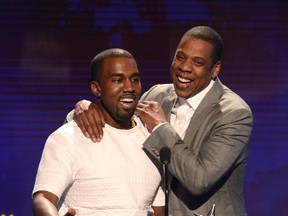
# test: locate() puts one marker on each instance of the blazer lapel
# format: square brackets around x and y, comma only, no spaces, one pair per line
[205,107]
[167,105]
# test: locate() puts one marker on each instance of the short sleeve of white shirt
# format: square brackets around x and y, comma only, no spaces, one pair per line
[58,161]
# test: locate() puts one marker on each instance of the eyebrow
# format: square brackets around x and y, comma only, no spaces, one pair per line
[122,74]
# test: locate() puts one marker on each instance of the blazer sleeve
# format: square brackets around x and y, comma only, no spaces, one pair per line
[222,145]
[158,93]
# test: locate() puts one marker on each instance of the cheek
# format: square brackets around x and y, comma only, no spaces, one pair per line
[200,81]
[109,94]
[111,89]
[172,70]
[202,74]
[174,65]
[138,91]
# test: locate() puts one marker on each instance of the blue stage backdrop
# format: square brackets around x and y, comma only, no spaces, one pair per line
[46,48]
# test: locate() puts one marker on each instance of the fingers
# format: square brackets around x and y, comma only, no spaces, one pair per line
[82,121]
[91,124]
[151,114]
[155,107]
[149,105]
[71,212]
[96,125]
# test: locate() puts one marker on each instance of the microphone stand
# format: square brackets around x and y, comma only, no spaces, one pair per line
[212,211]
[165,156]
[165,166]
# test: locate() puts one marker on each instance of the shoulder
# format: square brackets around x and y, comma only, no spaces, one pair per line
[232,106]
[162,88]
[158,92]
[228,102]
[233,100]
[67,133]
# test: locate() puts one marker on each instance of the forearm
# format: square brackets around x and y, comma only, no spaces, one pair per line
[159,210]
[43,207]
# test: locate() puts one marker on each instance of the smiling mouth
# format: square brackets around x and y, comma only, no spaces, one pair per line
[183,80]
[126,100]
[127,103]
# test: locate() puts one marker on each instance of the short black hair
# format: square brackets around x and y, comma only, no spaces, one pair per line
[97,61]
[210,35]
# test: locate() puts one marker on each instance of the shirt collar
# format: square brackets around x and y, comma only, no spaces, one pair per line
[196,99]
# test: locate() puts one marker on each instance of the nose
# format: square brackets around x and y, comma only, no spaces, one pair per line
[185,66]
[128,86]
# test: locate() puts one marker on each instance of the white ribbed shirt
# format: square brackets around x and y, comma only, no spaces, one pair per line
[113,177]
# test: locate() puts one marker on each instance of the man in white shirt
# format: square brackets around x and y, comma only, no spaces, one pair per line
[206,126]
[113,177]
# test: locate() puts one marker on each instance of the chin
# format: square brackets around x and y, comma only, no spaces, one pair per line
[182,94]
[126,116]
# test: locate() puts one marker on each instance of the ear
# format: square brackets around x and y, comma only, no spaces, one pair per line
[95,88]
[216,69]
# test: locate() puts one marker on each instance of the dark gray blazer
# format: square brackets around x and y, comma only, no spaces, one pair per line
[208,166]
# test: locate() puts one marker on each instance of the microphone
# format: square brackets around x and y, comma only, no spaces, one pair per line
[165,157]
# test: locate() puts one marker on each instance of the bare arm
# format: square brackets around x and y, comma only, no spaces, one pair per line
[44,204]
[159,210]
[90,120]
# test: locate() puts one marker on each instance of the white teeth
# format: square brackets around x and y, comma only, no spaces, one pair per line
[184,80]
[127,100]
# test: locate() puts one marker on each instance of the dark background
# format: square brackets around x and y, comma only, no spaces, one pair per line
[45,52]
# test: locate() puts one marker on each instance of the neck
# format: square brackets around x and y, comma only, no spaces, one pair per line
[126,124]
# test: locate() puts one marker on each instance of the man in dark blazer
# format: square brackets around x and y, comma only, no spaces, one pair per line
[209,148]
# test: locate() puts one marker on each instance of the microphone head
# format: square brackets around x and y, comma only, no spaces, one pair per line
[165,155]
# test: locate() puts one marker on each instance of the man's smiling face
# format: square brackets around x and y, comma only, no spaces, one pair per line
[118,89]
[192,67]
